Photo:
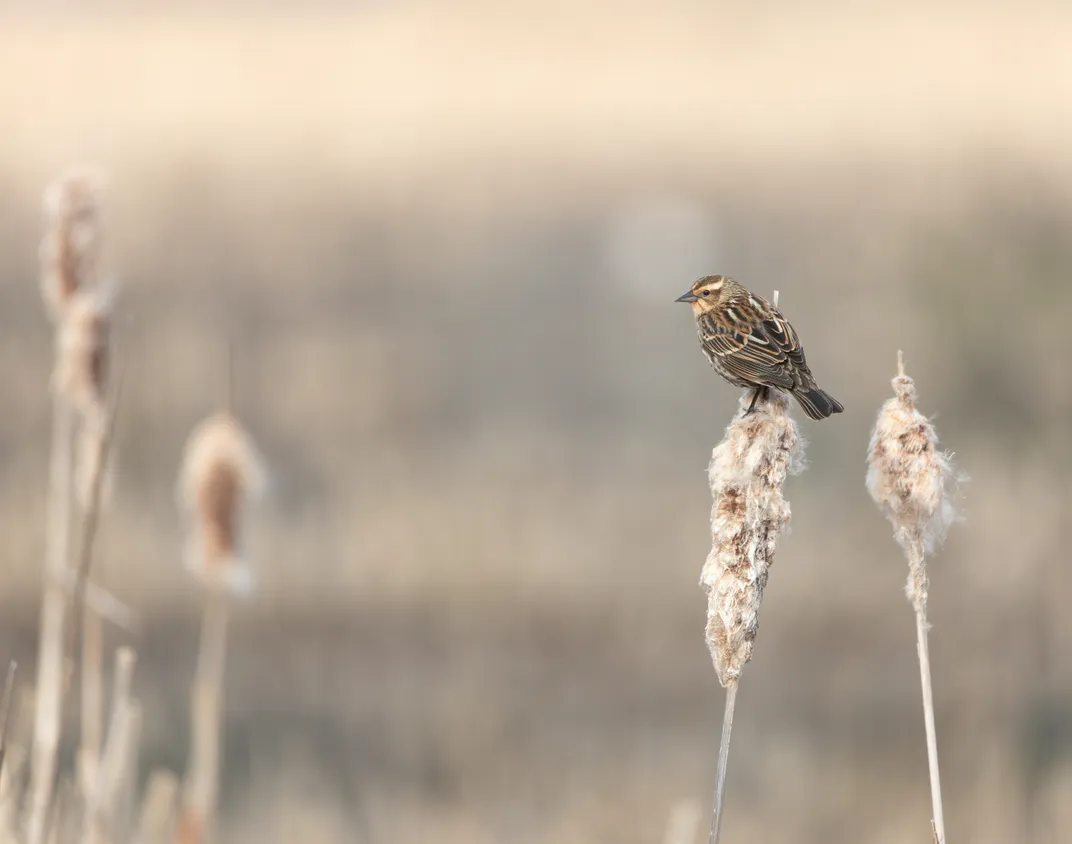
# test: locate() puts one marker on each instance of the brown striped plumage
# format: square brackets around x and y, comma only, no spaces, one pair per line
[750,344]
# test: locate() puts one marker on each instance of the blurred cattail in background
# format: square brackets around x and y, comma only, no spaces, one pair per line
[69,253]
[80,378]
[71,245]
[747,471]
[81,351]
[912,481]
[221,473]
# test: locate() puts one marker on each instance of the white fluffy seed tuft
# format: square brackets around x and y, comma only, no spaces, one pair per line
[749,513]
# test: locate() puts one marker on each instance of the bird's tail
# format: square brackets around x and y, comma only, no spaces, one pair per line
[818,404]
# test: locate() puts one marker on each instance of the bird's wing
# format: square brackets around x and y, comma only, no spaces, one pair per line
[781,334]
[747,351]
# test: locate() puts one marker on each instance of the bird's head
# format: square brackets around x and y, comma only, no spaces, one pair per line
[710,292]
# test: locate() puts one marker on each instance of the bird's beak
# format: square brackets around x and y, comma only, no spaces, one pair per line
[687,297]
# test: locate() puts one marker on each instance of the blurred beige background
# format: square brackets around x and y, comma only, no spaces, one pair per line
[445,239]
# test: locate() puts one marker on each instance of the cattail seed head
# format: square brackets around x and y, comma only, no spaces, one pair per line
[221,473]
[82,343]
[747,471]
[71,245]
[911,479]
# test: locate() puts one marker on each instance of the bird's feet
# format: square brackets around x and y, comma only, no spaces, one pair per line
[759,391]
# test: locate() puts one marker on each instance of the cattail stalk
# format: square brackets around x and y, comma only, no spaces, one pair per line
[723,761]
[202,777]
[747,472]
[98,431]
[221,472]
[48,703]
[68,265]
[912,482]
[117,765]
[92,701]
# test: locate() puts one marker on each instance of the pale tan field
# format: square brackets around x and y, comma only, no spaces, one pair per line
[445,240]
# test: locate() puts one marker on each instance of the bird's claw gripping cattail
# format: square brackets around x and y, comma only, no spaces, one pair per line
[750,344]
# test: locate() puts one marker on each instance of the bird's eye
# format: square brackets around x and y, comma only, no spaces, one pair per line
[706,293]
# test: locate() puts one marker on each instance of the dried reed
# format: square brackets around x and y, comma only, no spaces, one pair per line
[92,700]
[912,482]
[81,313]
[156,821]
[118,765]
[49,696]
[5,713]
[221,472]
[85,620]
[71,245]
[747,471]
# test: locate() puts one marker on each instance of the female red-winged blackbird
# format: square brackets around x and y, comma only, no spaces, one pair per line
[750,344]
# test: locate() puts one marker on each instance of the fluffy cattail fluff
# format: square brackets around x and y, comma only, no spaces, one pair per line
[746,473]
[221,473]
[71,246]
[912,480]
[81,376]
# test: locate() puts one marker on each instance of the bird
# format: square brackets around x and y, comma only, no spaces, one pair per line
[750,344]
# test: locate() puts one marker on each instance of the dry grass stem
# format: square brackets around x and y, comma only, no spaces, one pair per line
[100,443]
[92,702]
[723,761]
[18,739]
[103,805]
[156,821]
[747,471]
[98,426]
[59,829]
[103,603]
[49,696]
[5,714]
[202,775]
[221,473]
[913,482]
[71,245]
